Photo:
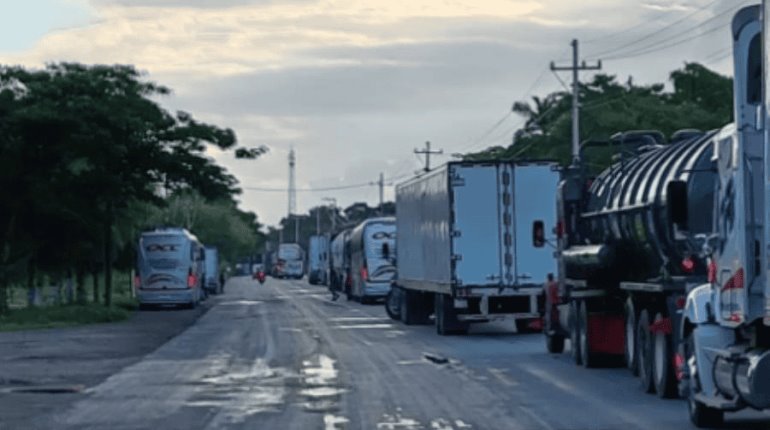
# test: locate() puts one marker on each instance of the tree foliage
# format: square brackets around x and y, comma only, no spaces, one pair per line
[699,99]
[84,150]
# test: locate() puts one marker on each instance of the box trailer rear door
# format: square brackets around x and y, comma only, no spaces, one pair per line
[534,186]
[476,234]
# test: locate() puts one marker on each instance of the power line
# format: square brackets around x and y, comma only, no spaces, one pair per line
[389,182]
[652,34]
[658,48]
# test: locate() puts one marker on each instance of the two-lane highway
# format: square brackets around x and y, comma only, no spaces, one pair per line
[284,356]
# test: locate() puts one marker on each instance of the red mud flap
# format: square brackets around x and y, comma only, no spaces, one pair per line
[536,324]
[606,334]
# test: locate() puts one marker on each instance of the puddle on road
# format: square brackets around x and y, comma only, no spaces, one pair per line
[398,421]
[321,392]
[238,395]
[241,303]
[333,422]
[362,326]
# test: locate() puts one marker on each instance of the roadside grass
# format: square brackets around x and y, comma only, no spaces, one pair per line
[63,316]
[52,315]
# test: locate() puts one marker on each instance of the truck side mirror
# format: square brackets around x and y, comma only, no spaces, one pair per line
[676,200]
[538,234]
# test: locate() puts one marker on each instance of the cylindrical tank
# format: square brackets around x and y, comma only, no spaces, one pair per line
[626,208]
[745,377]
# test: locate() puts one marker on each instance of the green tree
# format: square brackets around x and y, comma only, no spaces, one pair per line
[80,148]
[700,99]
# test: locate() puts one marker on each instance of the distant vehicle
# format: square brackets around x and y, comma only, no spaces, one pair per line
[372,259]
[211,264]
[291,261]
[169,268]
[340,260]
[318,260]
[464,247]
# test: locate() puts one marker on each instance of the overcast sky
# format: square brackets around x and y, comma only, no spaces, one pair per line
[355,85]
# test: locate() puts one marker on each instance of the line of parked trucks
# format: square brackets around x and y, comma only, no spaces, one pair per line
[661,260]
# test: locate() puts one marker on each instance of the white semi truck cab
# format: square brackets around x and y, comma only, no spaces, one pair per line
[725,352]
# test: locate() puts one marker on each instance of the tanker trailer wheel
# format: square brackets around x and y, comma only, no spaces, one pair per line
[574,332]
[554,343]
[631,352]
[701,415]
[393,303]
[589,359]
[645,347]
[663,374]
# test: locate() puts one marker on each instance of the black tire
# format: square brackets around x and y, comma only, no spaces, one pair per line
[408,308]
[393,303]
[574,329]
[630,350]
[663,373]
[554,343]
[446,317]
[701,415]
[588,358]
[645,346]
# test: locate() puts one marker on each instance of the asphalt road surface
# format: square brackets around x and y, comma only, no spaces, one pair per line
[284,356]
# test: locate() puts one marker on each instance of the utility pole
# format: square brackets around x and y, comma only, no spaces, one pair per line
[427,152]
[381,183]
[318,221]
[296,229]
[575,68]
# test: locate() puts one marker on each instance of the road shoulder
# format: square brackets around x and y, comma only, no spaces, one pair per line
[45,371]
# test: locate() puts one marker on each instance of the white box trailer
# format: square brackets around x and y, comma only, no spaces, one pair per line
[318,260]
[465,252]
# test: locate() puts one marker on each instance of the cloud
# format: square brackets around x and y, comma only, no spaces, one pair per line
[355,86]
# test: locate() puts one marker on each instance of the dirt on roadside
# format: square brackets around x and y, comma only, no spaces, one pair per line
[44,371]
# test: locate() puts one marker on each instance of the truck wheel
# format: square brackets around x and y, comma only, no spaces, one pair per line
[393,303]
[405,309]
[644,345]
[662,371]
[701,415]
[631,358]
[554,343]
[446,317]
[574,331]
[589,359]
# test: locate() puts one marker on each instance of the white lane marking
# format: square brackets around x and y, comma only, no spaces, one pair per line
[535,417]
[291,329]
[343,319]
[502,376]
[411,362]
[241,302]
[362,326]
[461,425]
[331,422]
[573,390]
[397,421]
